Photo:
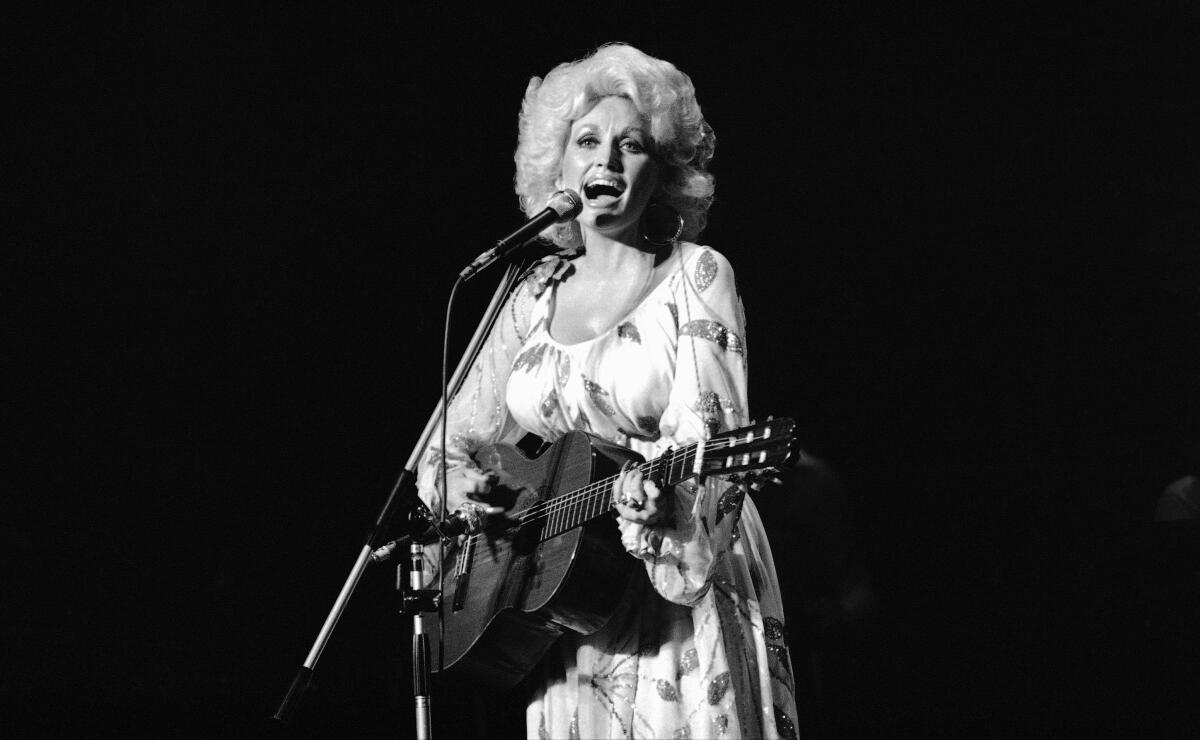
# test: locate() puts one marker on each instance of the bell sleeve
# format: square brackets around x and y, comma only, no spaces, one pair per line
[478,414]
[708,395]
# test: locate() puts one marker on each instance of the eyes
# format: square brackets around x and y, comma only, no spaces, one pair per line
[628,144]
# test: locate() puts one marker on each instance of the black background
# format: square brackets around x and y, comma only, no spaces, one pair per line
[967,243]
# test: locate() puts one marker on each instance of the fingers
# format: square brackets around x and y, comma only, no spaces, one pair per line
[478,480]
[466,485]
[635,498]
[641,516]
[627,488]
[657,506]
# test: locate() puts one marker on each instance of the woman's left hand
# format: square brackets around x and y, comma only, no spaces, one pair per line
[639,500]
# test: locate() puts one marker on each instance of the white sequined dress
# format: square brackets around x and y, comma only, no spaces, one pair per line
[697,649]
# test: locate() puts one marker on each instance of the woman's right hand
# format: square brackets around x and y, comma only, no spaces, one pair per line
[469,486]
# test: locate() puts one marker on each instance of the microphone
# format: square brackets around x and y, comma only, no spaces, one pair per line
[563,206]
[465,520]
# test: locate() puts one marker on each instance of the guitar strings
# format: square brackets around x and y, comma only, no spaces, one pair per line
[589,490]
[553,506]
[597,486]
[548,508]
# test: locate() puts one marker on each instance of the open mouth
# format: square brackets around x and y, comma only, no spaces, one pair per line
[601,188]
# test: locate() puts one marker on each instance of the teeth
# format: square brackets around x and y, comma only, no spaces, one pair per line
[604,181]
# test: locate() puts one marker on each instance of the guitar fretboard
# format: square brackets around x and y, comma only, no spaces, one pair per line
[746,448]
[570,510]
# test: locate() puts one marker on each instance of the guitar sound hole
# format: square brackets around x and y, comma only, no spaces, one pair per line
[525,538]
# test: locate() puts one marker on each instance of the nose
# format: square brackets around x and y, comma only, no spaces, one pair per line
[610,157]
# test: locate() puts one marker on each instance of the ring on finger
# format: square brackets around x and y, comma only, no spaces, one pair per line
[632,502]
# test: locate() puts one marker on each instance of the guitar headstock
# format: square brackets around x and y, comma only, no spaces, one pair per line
[769,444]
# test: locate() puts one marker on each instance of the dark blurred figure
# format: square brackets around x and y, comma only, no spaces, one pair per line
[1180,500]
[1173,618]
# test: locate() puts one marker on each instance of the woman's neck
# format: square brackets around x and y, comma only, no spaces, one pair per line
[607,254]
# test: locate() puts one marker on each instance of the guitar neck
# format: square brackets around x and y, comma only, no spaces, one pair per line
[747,448]
[594,500]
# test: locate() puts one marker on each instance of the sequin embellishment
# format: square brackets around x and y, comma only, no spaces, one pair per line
[773,627]
[674,313]
[666,690]
[530,358]
[730,501]
[706,270]
[599,397]
[710,405]
[714,332]
[629,332]
[717,688]
[721,723]
[550,269]
[550,404]
[688,661]
[783,723]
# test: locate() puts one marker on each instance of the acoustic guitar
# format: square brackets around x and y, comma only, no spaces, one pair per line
[557,563]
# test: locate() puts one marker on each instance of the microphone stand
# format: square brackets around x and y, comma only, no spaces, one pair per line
[403,496]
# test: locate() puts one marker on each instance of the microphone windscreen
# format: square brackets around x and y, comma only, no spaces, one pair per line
[566,203]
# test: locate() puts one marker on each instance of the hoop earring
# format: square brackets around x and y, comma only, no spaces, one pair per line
[661,225]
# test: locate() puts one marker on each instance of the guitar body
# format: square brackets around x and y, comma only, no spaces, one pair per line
[559,565]
[510,594]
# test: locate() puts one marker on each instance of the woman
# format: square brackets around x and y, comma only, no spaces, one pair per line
[635,334]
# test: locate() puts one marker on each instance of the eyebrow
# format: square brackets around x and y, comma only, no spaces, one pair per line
[623,132]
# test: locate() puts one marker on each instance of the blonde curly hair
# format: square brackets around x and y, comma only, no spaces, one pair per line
[682,140]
